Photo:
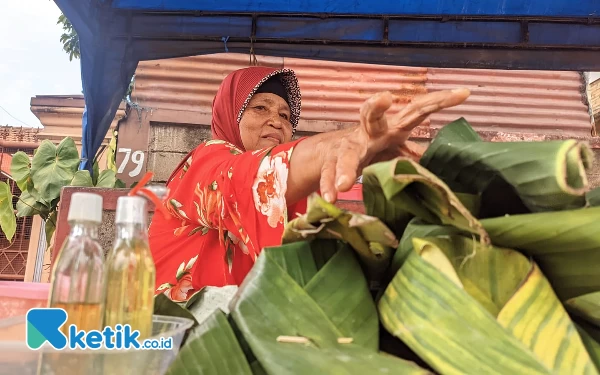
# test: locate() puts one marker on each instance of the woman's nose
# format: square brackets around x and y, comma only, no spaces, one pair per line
[276,121]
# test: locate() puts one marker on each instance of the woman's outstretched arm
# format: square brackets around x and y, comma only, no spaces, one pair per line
[332,161]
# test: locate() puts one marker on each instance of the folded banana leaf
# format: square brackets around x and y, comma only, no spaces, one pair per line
[372,240]
[403,184]
[467,308]
[211,348]
[303,314]
[565,245]
[543,176]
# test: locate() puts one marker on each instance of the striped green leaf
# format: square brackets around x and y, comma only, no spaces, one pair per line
[586,307]
[541,176]
[286,294]
[466,308]
[212,348]
[564,244]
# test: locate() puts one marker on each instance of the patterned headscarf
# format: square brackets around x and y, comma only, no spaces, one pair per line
[235,93]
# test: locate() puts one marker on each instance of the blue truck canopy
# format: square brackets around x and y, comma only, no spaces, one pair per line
[115,35]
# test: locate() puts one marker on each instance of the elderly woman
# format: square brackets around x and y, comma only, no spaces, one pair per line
[231,196]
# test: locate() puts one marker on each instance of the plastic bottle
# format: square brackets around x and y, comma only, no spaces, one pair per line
[130,270]
[79,273]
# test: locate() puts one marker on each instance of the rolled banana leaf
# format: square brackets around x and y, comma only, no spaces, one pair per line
[212,348]
[300,315]
[565,245]
[545,176]
[406,185]
[466,308]
[372,240]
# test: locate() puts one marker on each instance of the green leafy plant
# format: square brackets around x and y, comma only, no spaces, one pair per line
[41,179]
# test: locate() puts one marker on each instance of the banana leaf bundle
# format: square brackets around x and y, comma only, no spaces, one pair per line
[483,258]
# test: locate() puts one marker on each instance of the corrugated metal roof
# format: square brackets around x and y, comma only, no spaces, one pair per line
[188,83]
[332,92]
[504,100]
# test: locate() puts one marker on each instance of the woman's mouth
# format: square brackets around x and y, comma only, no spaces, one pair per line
[276,138]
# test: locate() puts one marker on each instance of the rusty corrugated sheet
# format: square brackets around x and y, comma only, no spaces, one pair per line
[545,102]
[188,83]
[332,92]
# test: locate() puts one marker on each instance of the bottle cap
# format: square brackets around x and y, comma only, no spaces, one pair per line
[131,210]
[85,207]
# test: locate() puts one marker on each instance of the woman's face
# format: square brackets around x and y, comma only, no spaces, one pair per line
[265,122]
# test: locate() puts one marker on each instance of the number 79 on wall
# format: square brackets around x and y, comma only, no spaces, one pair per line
[137,158]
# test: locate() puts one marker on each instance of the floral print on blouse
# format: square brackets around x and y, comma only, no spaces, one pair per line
[225,205]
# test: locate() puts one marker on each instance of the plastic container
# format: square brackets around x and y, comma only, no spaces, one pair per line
[17,297]
[17,358]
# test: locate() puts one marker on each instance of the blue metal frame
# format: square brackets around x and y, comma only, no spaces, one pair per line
[512,34]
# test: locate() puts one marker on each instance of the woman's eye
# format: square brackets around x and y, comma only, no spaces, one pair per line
[260,107]
[284,116]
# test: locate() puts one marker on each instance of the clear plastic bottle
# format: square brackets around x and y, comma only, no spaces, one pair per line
[79,272]
[130,270]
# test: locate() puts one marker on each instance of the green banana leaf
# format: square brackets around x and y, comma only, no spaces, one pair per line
[545,176]
[211,348]
[467,308]
[417,228]
[405,184]
[372,240]
[565,245]
[592,346]
[289,293]
[586,307]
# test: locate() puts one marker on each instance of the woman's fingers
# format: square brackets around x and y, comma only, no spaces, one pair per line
[348,160]
[327,183]
[372,114]
[421,107]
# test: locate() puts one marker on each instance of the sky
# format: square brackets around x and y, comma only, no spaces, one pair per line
[32,61]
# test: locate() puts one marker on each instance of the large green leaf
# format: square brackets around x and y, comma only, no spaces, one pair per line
[54,167]
[279,297]
[466,308]
[371,239]
[211,348]
[27,205]
[20,167]
[82,178]
[8,221]
[544,176]
[405,184]
[107,179]
[564,244]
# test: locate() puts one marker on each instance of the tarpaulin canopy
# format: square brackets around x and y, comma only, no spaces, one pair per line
[115,35]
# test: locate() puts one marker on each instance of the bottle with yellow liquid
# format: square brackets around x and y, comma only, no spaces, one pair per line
[78,287]
[79,272]
[130,270]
